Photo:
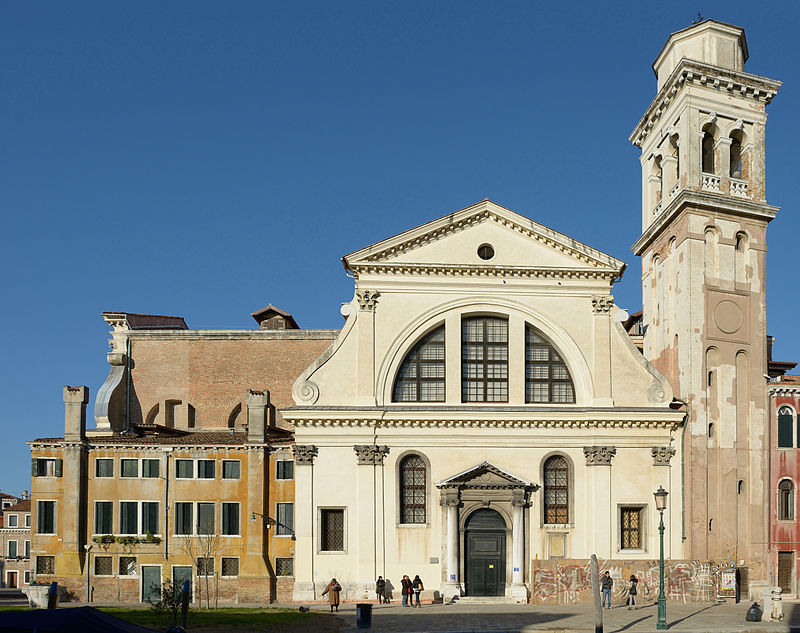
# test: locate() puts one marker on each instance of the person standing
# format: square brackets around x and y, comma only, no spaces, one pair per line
[632,591]
[333,590]
[407,589]
[417,586]
[606,584]
[380,589]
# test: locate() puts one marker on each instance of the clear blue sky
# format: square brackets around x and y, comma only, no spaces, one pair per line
[204,159]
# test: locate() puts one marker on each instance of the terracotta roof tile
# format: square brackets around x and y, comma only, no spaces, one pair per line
[22,506]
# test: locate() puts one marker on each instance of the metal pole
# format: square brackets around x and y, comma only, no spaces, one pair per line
[661,624]
[598,612]
[88,562]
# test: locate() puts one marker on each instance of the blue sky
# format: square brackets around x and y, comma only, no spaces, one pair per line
[204,159]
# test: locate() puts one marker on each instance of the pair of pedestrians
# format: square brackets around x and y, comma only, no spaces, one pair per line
[606,585]
[411,588]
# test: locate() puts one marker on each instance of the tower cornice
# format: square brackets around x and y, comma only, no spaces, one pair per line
[691,72]
[703,200]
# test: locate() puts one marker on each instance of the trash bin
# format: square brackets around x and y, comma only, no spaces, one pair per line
[363,615]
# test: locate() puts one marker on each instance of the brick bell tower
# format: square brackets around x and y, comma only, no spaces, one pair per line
[703,251]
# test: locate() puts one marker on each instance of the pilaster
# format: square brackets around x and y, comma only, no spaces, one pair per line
[365,325]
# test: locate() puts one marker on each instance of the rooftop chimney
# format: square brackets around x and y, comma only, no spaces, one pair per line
[75,399]
[257,403]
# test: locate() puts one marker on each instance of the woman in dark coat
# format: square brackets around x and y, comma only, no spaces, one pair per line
[380,589]
[632,591]
[333,590]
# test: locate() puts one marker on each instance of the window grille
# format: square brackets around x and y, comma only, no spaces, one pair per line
[421,376]
[484,359]
[230,566]
[631,528]
[127,565]
[332,530]
[45,564]
[103,566]
[412,490]
[547,378]
[205,566]
[231,469]
[556,491]
[284,566]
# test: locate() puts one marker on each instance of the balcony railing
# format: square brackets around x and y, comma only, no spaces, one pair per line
[657,209]
[711,182]
[738,188]
[674,191]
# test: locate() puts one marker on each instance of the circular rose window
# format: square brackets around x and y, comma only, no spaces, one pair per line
[485,251]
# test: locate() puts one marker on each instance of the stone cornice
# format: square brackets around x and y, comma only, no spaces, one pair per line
[695,72]
[476,270]
[779,389]
[233,334]
[703,200]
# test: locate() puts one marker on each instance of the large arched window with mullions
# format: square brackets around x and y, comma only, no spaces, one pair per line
[421,376]
[484,359]
[412,490]
[556,490]
[547,378]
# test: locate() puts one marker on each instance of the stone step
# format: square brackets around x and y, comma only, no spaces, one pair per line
[486,600]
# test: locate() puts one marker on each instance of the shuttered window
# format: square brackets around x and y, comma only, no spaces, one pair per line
[785,428]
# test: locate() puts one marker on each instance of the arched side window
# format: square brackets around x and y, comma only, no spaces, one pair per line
[708,153]
[785,500]
[556,490]
[785,428]
[547,378]
[412,490]
[736,154]
[421,376]
[484,359]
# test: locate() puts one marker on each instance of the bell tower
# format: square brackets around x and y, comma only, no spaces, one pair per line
[703,252]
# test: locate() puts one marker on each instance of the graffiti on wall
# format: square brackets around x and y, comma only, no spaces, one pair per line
[689,581]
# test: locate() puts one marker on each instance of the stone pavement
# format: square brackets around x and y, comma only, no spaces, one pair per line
[516,618]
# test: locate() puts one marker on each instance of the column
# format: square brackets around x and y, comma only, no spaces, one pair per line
[305,520]
[662,477]
[602,306]
[452,586]
[365,329]
[368,457]
[518,504]
[602,512]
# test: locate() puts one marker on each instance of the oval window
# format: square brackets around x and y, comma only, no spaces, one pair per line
[485,251]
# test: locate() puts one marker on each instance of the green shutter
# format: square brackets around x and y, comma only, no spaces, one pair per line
[59,467]
[34,467]
[785,431]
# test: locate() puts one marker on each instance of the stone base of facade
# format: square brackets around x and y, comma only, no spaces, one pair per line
[451,591]
[518,593]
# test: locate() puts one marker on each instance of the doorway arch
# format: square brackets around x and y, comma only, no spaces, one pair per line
[485,553]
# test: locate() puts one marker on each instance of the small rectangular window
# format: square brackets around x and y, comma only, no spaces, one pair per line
[150,517]
[205,566]
[184,469]
[103,467]
[129,468]
[231,469]
[103,517]
[150,468]
[13,520]
[127,565]
[285,517]
[27,577]
[230,567]
[128,517]
[284,566]
[205,518]
[27,520]
[12,549]
[205,469]
[230,519]
[631,528]
[46,565]
[332,530]
[27,549]
[183,518]
[285,469]
[47,467]
[46,519]
[103,566]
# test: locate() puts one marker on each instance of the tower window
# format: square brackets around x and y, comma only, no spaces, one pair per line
[736,155]
[708,153]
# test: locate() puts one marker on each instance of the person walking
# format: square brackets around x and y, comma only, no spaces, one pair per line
[417,586]
[407,590]
[606,584]
[380,589]
[632,591]
[333,590]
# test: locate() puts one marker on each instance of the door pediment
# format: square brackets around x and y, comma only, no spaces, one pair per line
[486,476]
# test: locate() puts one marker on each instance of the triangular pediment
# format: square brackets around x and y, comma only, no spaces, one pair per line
[485,476]
[453,244]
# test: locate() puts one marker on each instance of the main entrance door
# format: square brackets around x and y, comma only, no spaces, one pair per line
[11,579]
[785,565]
[485,548]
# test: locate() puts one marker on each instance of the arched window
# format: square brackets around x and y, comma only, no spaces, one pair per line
[484,359]
[547,378]
[785,500]
[708,153]
[556,490]
[421,376]
[785,428]
[736,155]
[412,490]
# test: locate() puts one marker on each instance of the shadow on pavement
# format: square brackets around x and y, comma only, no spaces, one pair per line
[634,623]
[674,623]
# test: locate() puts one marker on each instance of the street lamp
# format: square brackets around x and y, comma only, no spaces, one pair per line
[269,522]
[88,549]
[661,505]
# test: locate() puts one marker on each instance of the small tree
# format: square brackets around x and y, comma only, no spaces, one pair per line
[170,600]
[201,549]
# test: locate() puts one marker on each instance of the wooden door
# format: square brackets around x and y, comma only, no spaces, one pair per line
[485,549]
[11,579]
[785,571]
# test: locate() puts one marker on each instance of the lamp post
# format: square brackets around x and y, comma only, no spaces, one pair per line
[661,504]
[269,522]
[88,549]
